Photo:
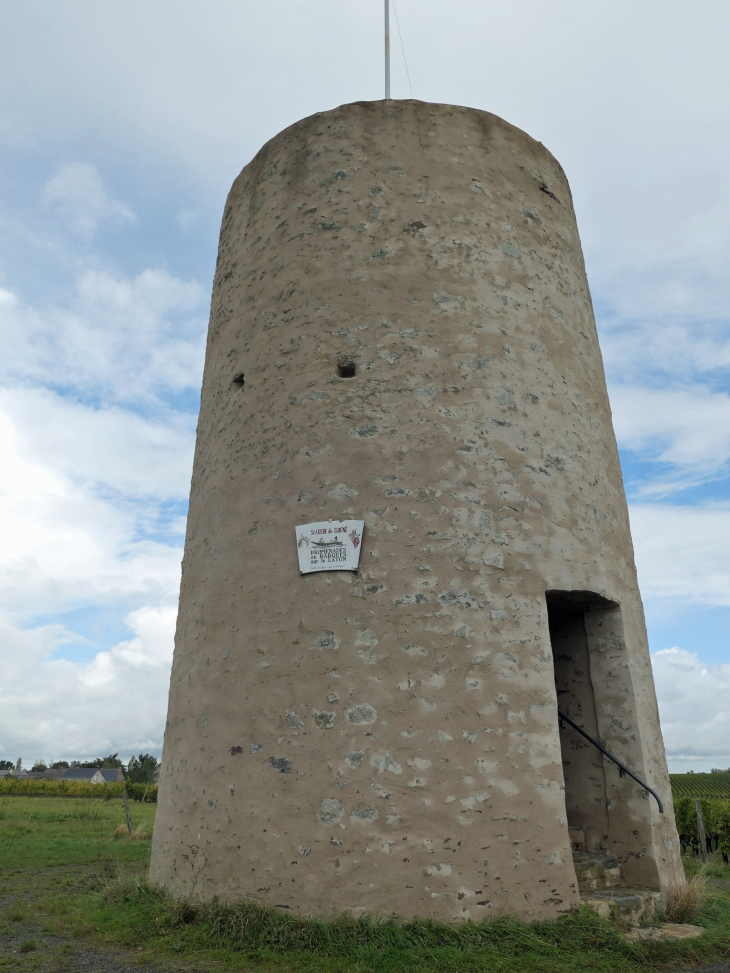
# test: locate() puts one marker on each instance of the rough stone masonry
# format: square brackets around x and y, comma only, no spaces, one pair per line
[401,331]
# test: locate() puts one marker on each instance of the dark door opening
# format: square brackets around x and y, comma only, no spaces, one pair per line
[586,798]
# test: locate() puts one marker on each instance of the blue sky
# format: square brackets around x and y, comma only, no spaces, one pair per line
[122,129]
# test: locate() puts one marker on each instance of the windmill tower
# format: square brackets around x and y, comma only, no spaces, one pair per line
[401,334]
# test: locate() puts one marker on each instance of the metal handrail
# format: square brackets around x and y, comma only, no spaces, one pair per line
[610,756]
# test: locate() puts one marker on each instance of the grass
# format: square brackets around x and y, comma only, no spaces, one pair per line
[714,868]
[688,902]
[49,832]
[63,873]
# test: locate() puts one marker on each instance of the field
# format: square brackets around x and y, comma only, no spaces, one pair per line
[700,785]
[73,897]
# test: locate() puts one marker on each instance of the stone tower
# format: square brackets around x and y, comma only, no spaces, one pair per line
[401,331]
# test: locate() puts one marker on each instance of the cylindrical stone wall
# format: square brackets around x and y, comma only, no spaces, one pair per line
[388,741]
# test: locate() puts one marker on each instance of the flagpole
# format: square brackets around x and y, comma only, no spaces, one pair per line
[387,49]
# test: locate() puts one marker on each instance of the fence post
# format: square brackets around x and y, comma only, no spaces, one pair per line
[129,816]
[701,830]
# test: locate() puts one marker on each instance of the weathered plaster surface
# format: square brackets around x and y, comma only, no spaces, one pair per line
[389,741]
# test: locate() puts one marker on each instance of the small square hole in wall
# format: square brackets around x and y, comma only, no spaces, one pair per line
[346,368]
[238,380]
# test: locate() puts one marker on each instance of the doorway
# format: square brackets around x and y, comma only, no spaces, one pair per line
[586,791]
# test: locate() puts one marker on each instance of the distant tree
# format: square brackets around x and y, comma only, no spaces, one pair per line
[6,764]
[111,761]
[38,767]
[142,769]
[60,765]
[19,763]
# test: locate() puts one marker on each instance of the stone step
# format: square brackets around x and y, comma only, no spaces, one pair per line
[667,931]
[596,871]
[634,906]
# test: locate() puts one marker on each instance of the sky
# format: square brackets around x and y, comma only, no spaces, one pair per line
[123,126]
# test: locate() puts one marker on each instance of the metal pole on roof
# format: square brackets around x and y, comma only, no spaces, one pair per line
[387,49]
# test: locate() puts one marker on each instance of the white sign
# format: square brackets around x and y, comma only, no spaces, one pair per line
[333,545]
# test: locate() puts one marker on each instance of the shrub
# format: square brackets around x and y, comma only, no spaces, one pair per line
[137,834]
[30,787]
[686,903]
[139,792]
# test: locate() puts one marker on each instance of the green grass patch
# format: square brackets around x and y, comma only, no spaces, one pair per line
[254,932]
[55,832]
[715,868]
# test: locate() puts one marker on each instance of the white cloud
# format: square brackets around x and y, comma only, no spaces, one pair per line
[681,350]
[55,709]
[694,708]
[64,547]
[687,428]
[111,448]
[130,340]
[93,455]
[22,652]
[682,552]
[78,194]
[657,265]
[67,547]
[682,560]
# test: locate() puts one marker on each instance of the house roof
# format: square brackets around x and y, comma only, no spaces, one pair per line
[109,774]
[112,773]
[79,773]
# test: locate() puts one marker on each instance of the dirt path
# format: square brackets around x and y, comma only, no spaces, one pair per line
[716,968]
[29,943]
[719,883]
[23,948]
